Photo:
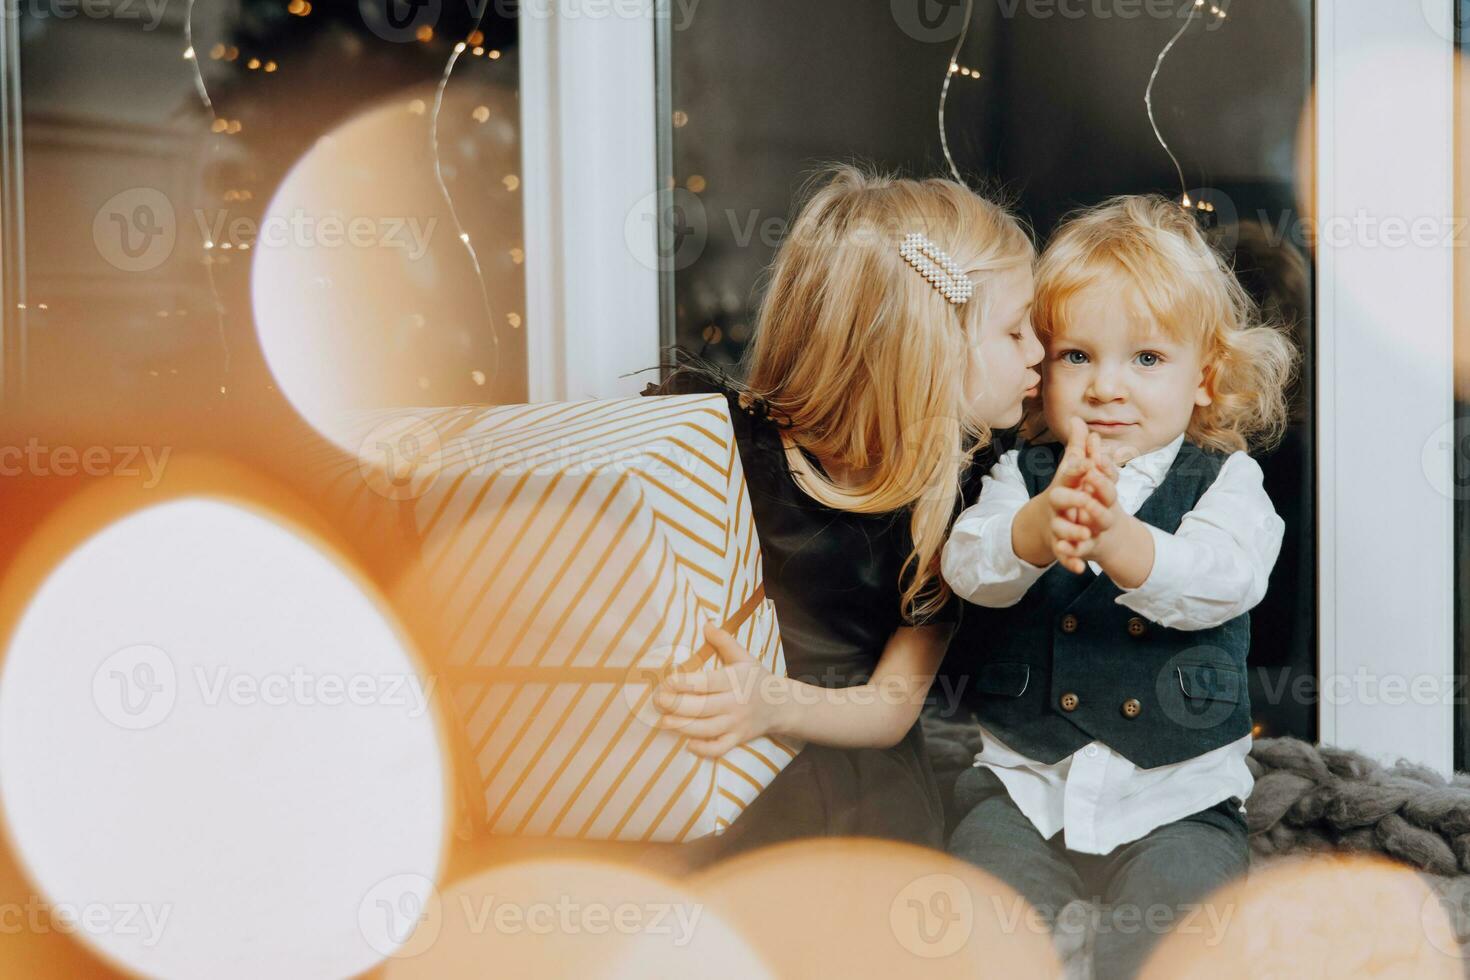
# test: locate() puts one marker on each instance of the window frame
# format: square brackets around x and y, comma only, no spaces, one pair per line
[1384,145]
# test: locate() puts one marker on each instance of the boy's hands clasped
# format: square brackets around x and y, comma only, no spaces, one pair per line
[1083,499]
[1079,519]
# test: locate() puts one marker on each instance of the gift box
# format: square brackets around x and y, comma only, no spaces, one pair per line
[563,558]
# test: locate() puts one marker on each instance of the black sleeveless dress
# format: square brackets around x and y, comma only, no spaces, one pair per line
[834,578]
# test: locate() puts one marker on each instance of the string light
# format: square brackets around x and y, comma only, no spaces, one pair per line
[1148,95]
[464,237]
[203,91]
[954,68]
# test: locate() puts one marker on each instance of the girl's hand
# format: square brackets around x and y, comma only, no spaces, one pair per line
[722,708]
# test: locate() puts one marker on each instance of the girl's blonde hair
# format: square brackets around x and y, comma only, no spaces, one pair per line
[1154,245]
[863,362]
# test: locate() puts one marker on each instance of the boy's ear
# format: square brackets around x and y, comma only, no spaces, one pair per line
[1205,396]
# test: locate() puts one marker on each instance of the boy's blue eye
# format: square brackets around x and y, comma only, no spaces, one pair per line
[1149,359]
[1074,357]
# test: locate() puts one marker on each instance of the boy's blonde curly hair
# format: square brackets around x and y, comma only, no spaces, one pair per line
[1153,246]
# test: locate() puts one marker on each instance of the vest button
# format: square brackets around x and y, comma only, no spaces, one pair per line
[1137,627]
[1132,708]
[1070,701]
[1069,623]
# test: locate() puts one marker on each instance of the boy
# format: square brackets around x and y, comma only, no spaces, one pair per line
[1111,583]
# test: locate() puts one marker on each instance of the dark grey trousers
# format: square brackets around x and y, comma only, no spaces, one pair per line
[1143,888]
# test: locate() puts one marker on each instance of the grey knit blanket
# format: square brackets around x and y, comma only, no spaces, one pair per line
[1307,799]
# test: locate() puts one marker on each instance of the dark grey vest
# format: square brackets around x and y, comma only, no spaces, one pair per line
[1067,665]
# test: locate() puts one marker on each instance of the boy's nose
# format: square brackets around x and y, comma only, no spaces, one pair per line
[1105,387]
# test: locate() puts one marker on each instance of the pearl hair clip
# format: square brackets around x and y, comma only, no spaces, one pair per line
[934,264]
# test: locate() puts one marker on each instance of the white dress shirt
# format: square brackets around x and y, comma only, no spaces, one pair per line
[1213,569]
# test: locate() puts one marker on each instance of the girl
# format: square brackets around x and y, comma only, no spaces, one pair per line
[896,325]
[1109,637]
